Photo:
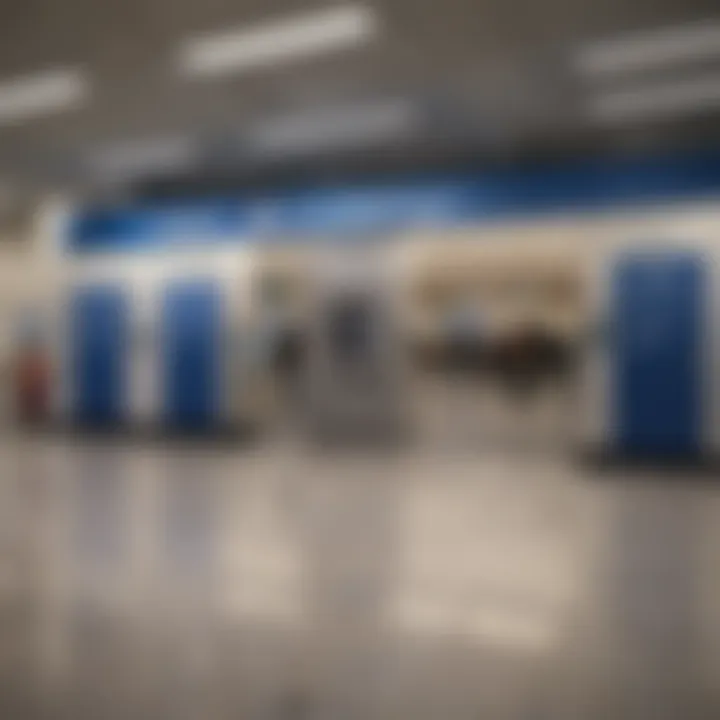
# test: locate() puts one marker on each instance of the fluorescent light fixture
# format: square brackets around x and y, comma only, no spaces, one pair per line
[657,101]
[277,41]
[347,126]
[42,93]
[140,157]
[650,49]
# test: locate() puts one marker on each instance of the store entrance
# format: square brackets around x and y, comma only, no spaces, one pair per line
[497,347]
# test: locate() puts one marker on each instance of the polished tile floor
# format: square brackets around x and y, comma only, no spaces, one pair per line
[173,581]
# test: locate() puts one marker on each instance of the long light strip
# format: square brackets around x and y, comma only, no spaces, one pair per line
[341,127]
[43,93]
[650,49]
[657,101]
[137,157]
[309,34]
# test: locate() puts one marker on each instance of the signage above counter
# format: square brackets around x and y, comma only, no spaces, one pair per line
[346,213]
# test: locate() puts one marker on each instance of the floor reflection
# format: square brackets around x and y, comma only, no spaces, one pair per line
[167,581]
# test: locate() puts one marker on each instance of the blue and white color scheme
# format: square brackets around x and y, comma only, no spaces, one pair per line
[664,203]
[651,387]
[155,340]
[354,212]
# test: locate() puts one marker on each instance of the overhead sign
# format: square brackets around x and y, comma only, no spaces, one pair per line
[356,211]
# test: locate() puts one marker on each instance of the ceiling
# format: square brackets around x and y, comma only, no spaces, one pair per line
[493,81]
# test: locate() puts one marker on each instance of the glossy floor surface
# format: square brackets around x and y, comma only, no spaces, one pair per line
[173,581]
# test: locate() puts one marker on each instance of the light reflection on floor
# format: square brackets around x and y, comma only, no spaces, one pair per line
[152,581]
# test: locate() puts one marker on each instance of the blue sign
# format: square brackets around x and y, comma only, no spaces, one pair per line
[360,210]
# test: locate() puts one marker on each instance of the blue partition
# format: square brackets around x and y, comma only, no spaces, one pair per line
[658,309]
[98,349]
[191,354]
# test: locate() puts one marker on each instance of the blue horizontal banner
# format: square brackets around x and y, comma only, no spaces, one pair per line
[344,213]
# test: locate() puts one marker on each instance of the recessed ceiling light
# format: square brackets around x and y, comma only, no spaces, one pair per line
[657,101]
[650,49]
[138,157]
[42,93]
[277,41]
[347,126]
